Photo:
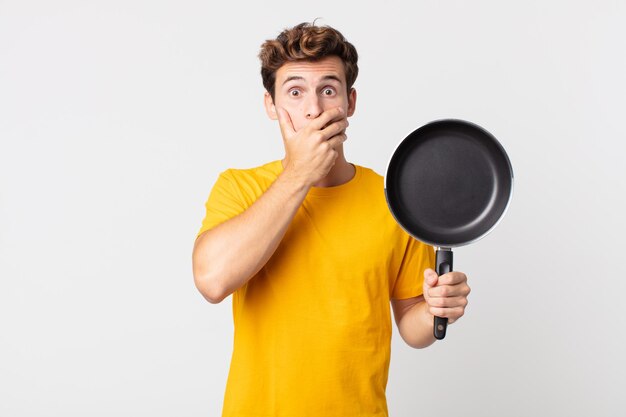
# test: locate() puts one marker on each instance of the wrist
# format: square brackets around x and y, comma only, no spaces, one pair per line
[427,316]
[293,180]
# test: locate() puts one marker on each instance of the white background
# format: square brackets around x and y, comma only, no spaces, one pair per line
[117,116]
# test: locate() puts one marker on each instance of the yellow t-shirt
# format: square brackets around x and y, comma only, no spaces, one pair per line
[313,327]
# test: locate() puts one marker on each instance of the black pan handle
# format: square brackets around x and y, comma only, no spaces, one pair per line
[443,260]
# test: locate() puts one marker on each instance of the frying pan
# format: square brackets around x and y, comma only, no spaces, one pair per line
[448,184]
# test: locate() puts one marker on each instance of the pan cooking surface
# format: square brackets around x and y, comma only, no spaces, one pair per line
[448,183]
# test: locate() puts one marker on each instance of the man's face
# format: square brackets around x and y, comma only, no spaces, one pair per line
[307,89]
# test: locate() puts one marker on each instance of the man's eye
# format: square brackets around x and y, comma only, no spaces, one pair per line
[329,91]
[294,93]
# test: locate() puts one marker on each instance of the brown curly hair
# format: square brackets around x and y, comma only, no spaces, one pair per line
[306,42]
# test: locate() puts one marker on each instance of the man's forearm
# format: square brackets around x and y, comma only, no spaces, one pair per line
[226,257]
[416,326]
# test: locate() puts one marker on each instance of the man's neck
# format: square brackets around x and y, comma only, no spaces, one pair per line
[340,173]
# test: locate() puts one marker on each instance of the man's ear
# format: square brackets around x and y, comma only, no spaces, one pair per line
[270,109]
[351,102]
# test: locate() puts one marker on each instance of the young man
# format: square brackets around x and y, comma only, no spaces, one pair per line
[311,253]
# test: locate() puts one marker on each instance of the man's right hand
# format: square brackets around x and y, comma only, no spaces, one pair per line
[310,152]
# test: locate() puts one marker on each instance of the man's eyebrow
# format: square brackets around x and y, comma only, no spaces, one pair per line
[332,77]
[298,77]
[292,77]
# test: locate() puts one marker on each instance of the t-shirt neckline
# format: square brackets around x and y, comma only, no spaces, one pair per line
[329,191]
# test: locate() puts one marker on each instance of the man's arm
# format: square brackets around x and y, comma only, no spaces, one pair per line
[225,257]
[414,322]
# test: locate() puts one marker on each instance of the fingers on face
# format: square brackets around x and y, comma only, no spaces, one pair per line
[285,122]
[335,128]
[327,117]
[337,140]
[330,123]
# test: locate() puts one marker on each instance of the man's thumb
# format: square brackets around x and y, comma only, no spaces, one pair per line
[430,277]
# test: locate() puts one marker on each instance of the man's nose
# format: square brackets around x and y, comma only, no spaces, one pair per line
[313,107]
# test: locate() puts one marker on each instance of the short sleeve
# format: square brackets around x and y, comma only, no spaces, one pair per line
[417,258]
[224,202]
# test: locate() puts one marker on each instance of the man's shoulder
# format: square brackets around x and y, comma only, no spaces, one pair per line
[369,175]
[369,171]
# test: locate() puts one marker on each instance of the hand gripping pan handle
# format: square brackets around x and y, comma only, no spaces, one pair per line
[443,261]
